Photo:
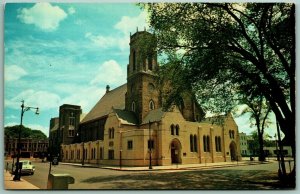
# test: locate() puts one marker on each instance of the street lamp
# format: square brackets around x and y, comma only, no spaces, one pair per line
[120,162]
[23,110]
[150,147]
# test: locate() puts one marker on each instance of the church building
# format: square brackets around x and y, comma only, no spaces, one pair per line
[129,125]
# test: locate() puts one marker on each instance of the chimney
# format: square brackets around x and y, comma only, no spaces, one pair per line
[107,88]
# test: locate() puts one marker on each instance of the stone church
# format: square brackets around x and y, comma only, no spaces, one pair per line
[128,126]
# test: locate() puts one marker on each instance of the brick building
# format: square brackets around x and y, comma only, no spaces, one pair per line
[30,147]
[128,125]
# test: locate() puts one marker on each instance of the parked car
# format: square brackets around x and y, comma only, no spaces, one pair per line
[27,167]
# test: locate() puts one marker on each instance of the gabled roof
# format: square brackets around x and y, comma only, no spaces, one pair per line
[112,99]
[126,117]
[154,115]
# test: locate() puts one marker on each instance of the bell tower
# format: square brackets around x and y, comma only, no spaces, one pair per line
[142,93]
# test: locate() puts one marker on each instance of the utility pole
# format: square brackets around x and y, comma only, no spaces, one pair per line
[150,147]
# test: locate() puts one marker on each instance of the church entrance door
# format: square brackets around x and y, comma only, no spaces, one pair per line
[233,152]
[175,151]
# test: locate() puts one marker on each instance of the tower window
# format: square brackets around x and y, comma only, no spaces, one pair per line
[151,105]
[133,60]
[151,87]
[133,106]
[72,119]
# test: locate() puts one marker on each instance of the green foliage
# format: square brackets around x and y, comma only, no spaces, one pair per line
[227,51]
[13,131]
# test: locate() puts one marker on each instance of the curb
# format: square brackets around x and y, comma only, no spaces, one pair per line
[167,169]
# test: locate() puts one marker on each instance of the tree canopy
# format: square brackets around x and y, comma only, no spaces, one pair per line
[13,131]
[230,50]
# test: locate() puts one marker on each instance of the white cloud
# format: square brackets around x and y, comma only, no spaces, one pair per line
[125,25]
[42,99]
[87,101]
[11,117]
[109,72]
[14,72]
[129,24]
[108,41]
[43,15]
[102,41]
[71,10]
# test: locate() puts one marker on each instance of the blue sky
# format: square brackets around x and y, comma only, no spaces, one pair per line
[66,54]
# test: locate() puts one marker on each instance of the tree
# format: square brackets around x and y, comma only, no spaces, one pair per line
[225,50]
[13,131]
[259,111]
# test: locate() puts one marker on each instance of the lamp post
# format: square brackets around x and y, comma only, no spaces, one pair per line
[150,147]
[50,155]
[23,110]
[120,149]
[83,154]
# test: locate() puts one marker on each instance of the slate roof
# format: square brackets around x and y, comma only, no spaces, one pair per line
[154,115]
[126,117]
[112,99]
[55,127]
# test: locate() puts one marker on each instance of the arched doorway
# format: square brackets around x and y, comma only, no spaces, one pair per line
[175,151]
[233,150]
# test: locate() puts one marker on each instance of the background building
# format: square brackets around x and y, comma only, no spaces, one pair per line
[63,129]
[30,147]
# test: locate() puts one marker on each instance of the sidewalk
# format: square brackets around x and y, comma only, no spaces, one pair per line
[10,184]
[172,167]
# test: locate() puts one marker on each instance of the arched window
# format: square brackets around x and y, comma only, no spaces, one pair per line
[172,129]
[220,147]
[133,60]
[191,143]
[218,143]
[111,133]
[133,106]
[208,144]
[231,134]
[195,144]
[177,129]
[151,105]
[204,144]
[151,87]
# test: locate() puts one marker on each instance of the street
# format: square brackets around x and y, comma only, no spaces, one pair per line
[252,177]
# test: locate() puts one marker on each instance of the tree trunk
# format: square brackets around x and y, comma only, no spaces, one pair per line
[261,146]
